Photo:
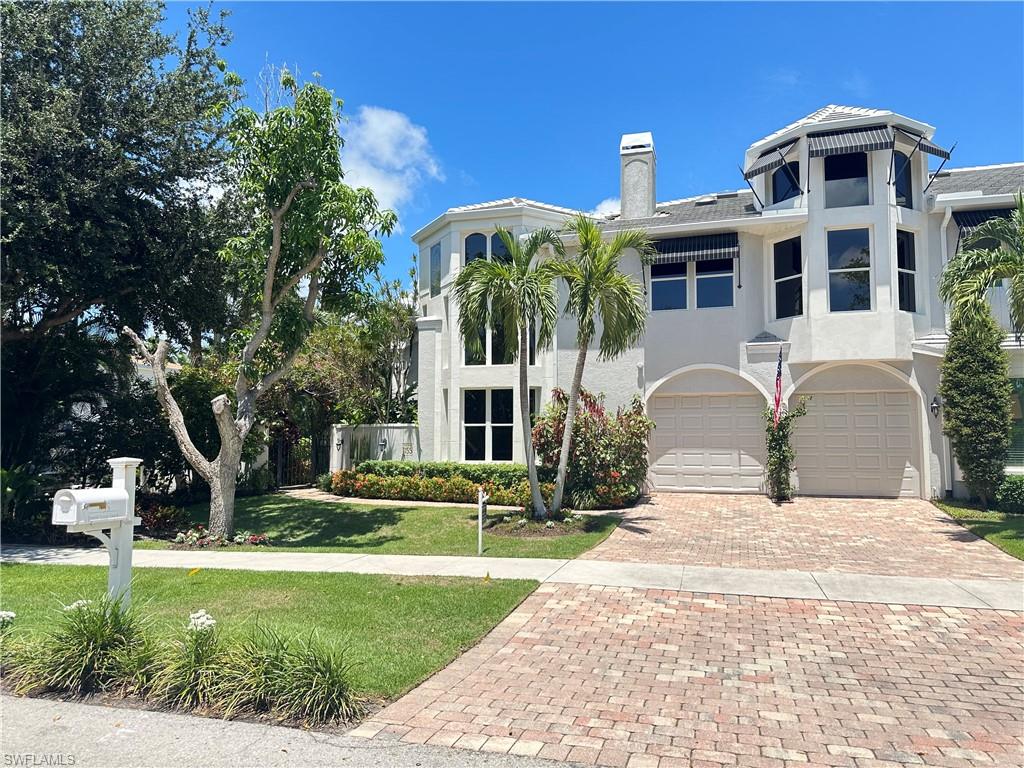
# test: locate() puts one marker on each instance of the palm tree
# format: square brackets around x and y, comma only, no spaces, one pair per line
[513,295]
[968,276]
[597,288]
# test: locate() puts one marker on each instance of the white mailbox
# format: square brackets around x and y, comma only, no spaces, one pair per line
[107,514]
[90,507]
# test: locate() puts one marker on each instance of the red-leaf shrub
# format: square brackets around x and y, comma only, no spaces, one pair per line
[608,457]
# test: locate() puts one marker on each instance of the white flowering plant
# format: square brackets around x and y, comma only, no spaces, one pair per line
[77,605]
[7,619]
[201,621]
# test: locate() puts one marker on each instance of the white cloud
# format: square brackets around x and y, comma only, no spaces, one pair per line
[782,79]
[385,151]
[606,207]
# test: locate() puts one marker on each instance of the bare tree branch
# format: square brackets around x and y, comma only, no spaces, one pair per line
[158,361]
[267,303]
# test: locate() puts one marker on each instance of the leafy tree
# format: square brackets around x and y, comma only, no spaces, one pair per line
[977,407]
[598,289]
[780,454]
[970,274]
[304,226]
[513,294]
[111,148]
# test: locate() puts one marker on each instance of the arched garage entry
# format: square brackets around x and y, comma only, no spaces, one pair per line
[709,434]
[862,432]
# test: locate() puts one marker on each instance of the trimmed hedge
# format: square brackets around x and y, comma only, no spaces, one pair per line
[503,474]
[418,488]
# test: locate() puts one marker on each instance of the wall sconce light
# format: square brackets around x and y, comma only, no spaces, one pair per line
[339,442]
[382,444]
[935,406]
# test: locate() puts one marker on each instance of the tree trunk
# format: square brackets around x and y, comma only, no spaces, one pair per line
[222,495]
[570,419]
[540,511]
[226,466]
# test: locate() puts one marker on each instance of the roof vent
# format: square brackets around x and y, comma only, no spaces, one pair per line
[705,200]
[727,195]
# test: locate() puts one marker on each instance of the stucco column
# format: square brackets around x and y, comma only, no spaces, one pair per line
[428,414]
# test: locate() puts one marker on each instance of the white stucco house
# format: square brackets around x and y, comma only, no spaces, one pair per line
[833,252]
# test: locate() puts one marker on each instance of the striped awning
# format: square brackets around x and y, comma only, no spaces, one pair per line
[925,145]
[969,220]
[724,245]
[769,160]
[853,140]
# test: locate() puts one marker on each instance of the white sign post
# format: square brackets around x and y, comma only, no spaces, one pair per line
[93,510]
[481,509]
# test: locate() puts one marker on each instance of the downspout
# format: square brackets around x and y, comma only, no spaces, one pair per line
[945,324]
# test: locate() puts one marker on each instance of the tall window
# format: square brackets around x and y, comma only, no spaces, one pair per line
[494,350]
[789,279]
[714,283]
[849,270]
[475,247]
[668,286]
[487,424]
[435,269]
[498,249]
[846,180]
[501,424]
[1015,458]
[902,180]
[906,270]
[786,182]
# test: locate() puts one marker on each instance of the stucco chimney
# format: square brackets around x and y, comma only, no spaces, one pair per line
[636,155]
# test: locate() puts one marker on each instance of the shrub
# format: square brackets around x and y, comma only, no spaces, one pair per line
[976,392]
[323,482]
[1010,496]
[499,473]
[608,456]
[780,455]
[91,646]
[163,519]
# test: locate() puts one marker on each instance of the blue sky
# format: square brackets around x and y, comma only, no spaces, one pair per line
[466,102]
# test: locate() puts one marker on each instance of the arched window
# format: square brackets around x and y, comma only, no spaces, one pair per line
[903,180]
[476,247]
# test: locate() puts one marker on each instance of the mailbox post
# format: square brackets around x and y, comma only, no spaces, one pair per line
[93,510]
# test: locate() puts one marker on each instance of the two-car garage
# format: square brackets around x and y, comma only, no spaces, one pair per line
[860,437]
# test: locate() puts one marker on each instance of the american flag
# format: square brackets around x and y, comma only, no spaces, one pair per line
[778,388]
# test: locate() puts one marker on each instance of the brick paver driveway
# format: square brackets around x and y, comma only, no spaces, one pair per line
[616,676]
[897,537]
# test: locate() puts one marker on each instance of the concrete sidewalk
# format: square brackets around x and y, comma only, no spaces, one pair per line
[807,585]
[38,732]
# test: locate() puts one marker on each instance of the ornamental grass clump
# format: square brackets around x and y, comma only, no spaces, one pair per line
[87,650]
[252,669]
[189,667]
[313,687]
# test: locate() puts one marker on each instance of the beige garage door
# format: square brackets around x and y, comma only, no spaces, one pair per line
[707,442]
[858,444]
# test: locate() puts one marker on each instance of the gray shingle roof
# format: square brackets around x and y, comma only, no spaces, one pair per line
[707,208]
[990,180]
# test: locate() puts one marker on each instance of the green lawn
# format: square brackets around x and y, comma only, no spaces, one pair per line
[1005,531]
[399,630]
[324,526]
